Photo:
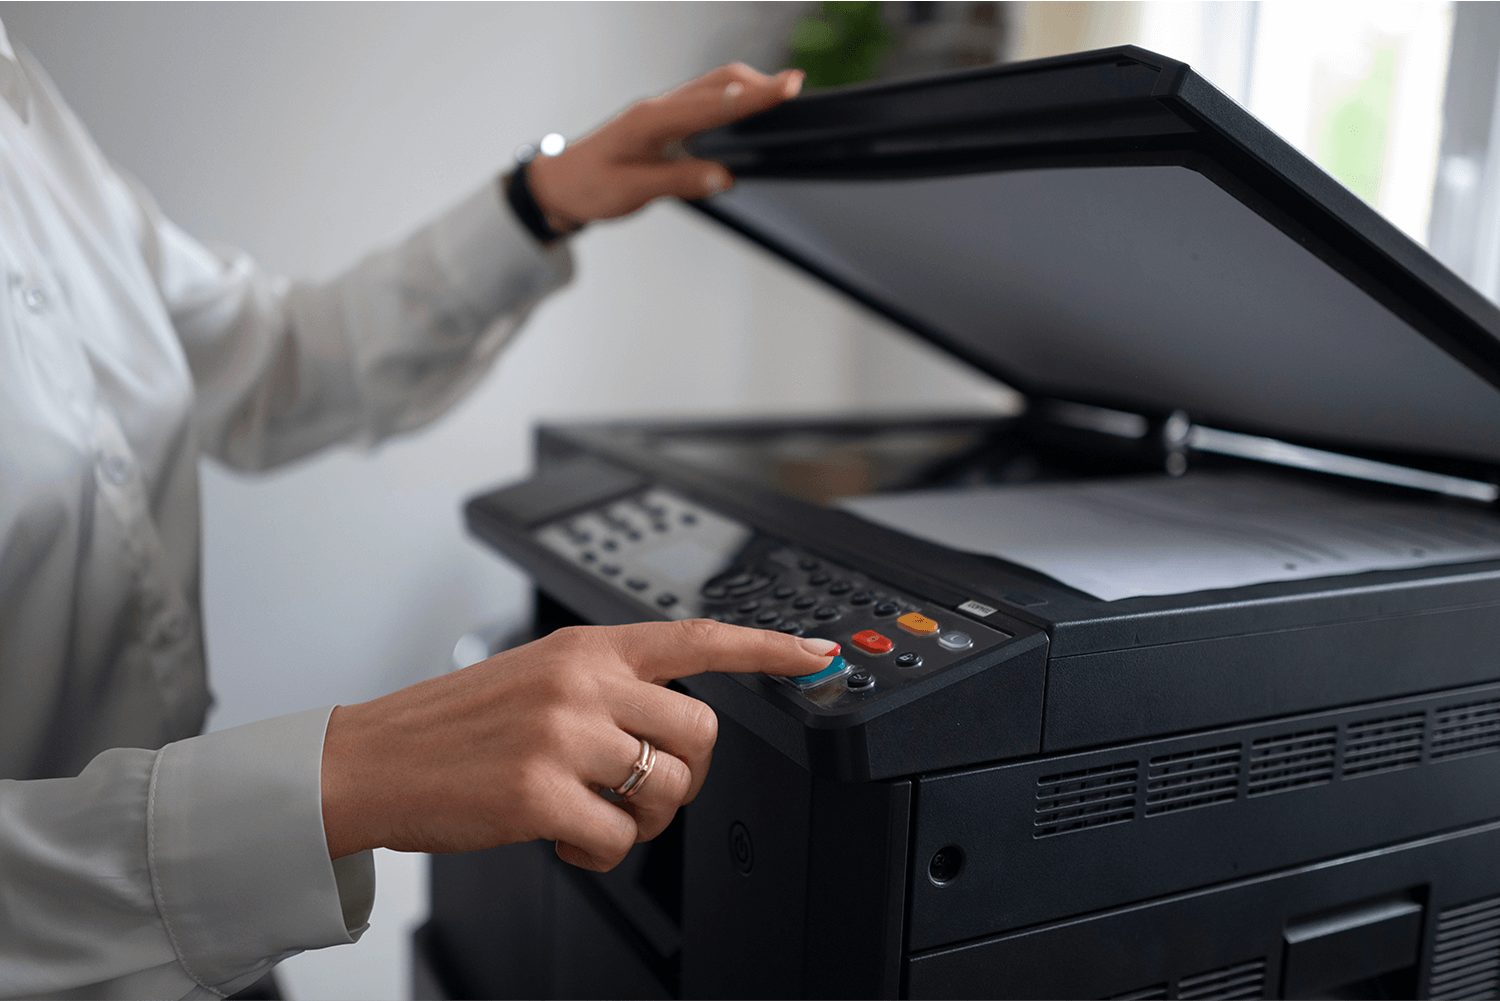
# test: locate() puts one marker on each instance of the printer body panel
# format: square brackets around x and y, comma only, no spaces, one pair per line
[1283,789]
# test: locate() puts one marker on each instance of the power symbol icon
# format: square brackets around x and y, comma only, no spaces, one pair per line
[741,850]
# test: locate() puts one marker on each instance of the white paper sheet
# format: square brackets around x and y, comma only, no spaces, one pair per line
[1120,538]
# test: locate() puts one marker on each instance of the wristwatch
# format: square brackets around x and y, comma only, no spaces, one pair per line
[516,188]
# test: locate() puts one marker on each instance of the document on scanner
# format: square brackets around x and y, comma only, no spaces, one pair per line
[1121,538]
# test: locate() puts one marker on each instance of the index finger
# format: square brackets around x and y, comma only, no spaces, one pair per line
[714,100]
[661,651]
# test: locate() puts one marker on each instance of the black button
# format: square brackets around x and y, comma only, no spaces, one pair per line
[657,511]
[666,600]
[747,607]
[609,544]
[582,538]
[819,579]
[840,587]
[808,563]
[806,601]
[633,535]
[861,598]
[860,679]
[825,613]
[784,592]
[715,591]
[888,608]
[660,526]
[609,569]
[909,659]
[588,556]
[768,616]
[636,584]
[791,628]
[738,580]
[689,518]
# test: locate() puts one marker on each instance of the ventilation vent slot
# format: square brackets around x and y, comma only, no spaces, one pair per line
[1292,760]
[1192,778]
[1245,980]
[1466,954]
[1380,745]
[1466,729]
[1143,994]
[1092,797]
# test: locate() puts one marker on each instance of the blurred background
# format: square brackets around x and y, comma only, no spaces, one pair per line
[310,134]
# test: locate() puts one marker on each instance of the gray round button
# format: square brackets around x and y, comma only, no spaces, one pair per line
[955,640]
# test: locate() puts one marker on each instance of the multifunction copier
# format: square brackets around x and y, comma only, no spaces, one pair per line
[1019,783]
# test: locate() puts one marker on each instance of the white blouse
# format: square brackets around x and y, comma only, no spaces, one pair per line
[137,859]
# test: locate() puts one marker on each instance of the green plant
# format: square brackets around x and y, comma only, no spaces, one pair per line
[844,43]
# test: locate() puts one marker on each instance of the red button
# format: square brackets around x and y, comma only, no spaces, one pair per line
[871,642]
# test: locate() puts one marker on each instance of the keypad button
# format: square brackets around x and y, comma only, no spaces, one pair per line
[808,563]
[840,587]
[861,598]
[826,613]
[860,680]
[609,544]
[588,556]
[783,592]
[688,518]
[955,640]
[633,535]
[835,667]
[791,628]
[917,624]
[755,585]
[820,578]
[871,642]
[660,526]
[738,580]
[887,608]
[806,601]
[636,584]
[715,591]
[909,659]
[609,570]
[746,607]
[666,600]
[768,616]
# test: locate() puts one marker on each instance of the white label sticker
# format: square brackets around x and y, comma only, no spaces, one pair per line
[975,608]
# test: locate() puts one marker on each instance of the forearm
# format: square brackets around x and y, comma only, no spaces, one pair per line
[168,873]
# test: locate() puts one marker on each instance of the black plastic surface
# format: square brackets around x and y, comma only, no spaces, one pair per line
[1226,941]
[1057,836]
[1107,227]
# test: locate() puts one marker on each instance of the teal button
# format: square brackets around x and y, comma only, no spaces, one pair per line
[833,670]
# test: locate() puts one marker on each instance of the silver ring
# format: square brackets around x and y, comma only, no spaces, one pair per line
[639,772]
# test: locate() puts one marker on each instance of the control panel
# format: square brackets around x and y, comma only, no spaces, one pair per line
[680,560]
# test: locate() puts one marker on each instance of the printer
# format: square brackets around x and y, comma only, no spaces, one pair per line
[1269,783]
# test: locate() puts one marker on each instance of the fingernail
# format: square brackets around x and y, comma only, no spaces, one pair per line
[794,83]
[820,648]
[714,183]
[733,90]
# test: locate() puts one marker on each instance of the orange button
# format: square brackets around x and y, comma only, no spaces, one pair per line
[871,642]
[916,622]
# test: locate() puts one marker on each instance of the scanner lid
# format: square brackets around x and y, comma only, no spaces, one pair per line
[1108,228]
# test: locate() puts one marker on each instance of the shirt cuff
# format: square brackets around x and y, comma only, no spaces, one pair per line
[239,861]
[490,260]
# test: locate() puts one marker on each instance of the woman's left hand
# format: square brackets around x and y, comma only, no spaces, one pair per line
[629,161]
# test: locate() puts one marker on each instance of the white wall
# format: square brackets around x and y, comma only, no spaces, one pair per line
[311,133]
